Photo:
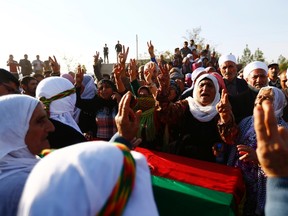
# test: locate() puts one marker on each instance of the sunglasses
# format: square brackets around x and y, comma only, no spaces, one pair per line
[9,89]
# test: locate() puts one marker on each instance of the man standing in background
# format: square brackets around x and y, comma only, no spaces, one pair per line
[106,52]
[26,66]
[118,48]
[38,65]
[13,66]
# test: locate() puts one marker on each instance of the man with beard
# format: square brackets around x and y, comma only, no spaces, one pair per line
[29,84]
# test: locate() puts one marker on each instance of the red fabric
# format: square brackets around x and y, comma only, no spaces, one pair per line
[195,172]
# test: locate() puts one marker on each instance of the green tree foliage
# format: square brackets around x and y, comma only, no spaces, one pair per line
[199,41]
[168,55]
[258,56]
[195,35]
[283,63]
[247,57]
[70,63]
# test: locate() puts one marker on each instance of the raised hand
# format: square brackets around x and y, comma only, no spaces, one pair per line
[96,57]
[148,76]
[79,76]
[132,71]
[117,69]
[116,96]
[148,71]
[123,55]
[54,65]
[164,69]
[163,77]
[151,49]
[127,121]
[247,154]
[272,141]
[224,108]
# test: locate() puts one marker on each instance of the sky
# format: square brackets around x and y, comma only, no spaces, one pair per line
[76,29]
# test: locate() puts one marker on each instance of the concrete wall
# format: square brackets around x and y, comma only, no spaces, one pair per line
[106,68]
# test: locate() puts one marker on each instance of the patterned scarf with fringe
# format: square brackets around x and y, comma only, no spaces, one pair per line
[48,101]
[122,190]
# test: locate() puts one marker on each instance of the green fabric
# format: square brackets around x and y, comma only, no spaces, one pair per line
[134,87]
[147,124]
[177,198]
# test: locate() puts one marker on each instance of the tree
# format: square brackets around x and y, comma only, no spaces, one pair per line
[70,63]
[199,40]
[247,57]
[283,63]
[259,56]
[195,35]
[168,55]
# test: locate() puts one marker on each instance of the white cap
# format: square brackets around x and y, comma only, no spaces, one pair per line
[225,58]
[196,73]
[253,66]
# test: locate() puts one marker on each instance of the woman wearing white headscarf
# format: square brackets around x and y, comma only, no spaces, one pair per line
[59,97]
[93,178]
[23,135]
[243,155]
[200,123]
[82,183]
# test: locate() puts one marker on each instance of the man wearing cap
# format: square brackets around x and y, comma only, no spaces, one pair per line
[8,83]
[228,69]
[273,72]
[256,77]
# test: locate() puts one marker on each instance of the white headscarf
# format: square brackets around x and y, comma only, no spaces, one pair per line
[77,180]
[194,76]
[62,109]
[204,113]
[89,92]
[225,58]
[279,101]
[253,66]
[16,112]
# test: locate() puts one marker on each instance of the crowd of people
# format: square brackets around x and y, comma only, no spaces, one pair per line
[194,105]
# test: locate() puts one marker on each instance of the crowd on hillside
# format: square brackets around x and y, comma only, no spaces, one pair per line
[196,105]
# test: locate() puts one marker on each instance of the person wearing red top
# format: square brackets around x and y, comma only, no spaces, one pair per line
[13,66]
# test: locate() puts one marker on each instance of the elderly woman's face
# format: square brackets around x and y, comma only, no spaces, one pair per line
[39,128]
[264,94]
[205,92]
